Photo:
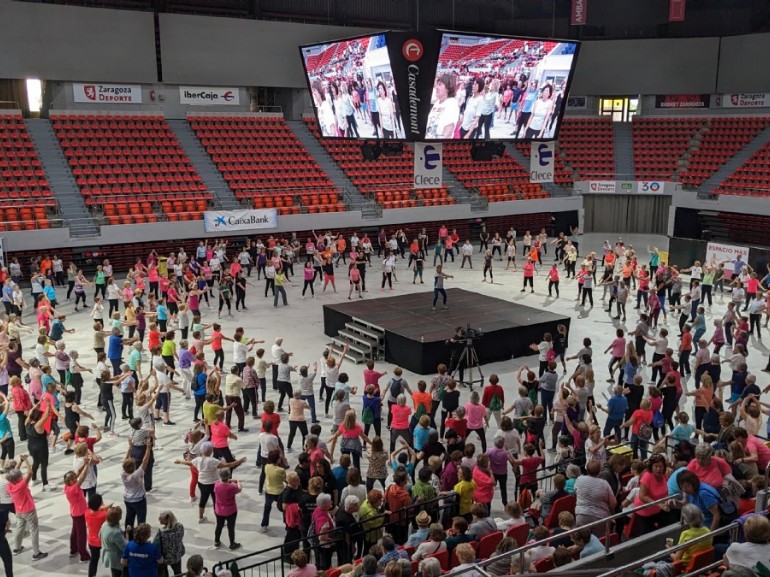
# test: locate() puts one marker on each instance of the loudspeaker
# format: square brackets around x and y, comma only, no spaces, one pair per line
[486,151]
[371,151]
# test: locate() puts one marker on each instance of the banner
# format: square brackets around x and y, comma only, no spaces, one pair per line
[744,100]
[428,165]
[602,186]
[579,12]
[676,10]
[542,161]
[107,93]
[208,96]
[718,253]
[683,101]
[650,186]
[227,220]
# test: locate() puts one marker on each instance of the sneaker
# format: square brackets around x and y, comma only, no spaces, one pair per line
[193,498]
[18,551]
[243,430]
[433,308]
[69,451]
[202,519]
[263,529]
[169,423]
[217,544]
[235,546]
[39,556]
[289,450]
[85,560]
[74,554]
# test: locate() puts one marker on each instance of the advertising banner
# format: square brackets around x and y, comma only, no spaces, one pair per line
[579,12]
[229,220]
[542,161]
[718,253]
[744,100]
[209,96]
[680,101]
[676,10]
[107,93]
[650,186]
[428,165]
[602,186]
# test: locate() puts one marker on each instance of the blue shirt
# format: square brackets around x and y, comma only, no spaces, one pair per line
[115,348]
[5,426]
[142,559]
[529,100]
[201,390]
[162,311]
[341,475]
[673,486]
[592,547]
[57,330]
[420,437]
[50,293]
[705,500]
[617,406]
[8,293]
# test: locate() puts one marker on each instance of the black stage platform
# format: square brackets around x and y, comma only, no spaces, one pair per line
[415,336]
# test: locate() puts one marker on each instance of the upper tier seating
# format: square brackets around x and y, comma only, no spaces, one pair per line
[752,178]
[131,166]
[24,192]
[265,164]
[587,146]
[498,180]
[659,144]
[388,180]
[723,139]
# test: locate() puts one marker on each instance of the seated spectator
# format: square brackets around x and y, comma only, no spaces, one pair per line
[369,566]
[595,499]
[434,544]
[562,556]
[513,509]
[572,472]
[692,519]
[482,524]
[423,521]
[566,522]
[429,568]
[755,550]
[302,567]
[708,468]
[457,534]
[738,455]
[466,555]
[390,552]
[534,555]
[548,498]
[502,566]
[585,543]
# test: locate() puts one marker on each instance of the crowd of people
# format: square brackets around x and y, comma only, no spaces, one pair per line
[444,472]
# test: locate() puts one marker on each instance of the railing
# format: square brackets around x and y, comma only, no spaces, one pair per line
[272,562]
[521,551]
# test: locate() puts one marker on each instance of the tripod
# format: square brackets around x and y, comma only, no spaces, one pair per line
[469,359]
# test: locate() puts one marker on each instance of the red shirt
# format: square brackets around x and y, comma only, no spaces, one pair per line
[686,343]
[459,426]
[275,418]
[485,486]
[153,339]
[529,467]
[94,522]
[489,392]
[401,416]
[89,441]
[76,499]
[21,496]
[219,434]
[216,342]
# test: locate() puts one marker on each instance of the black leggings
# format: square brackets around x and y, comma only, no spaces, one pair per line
[127,409]
[93,565]
[219,358]
[230,520]
[206,492]
[40,461]
[377,424]
[480,432]
[222,302]
[329,392]
[109,414]
[308,284]
[387,276]
[70,288]
[293,426]
[240,299]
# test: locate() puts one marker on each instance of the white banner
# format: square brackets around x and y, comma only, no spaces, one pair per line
[602,186]
[227,220]
[718,253]
[744,100]
[428,165]
[542,161]
[107,93]
[209,96]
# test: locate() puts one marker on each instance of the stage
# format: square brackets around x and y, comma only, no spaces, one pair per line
[415,336]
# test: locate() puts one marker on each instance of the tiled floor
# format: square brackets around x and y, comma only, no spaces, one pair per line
[301,325]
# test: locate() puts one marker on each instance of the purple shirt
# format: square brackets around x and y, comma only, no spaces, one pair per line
[498,460]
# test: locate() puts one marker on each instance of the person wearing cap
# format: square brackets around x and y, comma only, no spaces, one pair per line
[423,529]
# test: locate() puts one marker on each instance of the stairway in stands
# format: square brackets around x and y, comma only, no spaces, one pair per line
[353,195]
[728,168]
[61,180]
[624,150]
[222,194]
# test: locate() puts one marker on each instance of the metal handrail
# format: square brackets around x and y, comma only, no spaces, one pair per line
[731,528]
[521,551]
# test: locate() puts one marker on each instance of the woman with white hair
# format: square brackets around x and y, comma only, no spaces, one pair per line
[430,567]
[399,425]
[321,531]
[170,540]
[692,519]
[347,523]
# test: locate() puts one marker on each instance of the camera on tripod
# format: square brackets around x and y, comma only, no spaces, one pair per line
[472,335]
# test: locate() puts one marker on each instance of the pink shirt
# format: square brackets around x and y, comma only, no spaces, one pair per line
[353,433]
[485,486]
[752,285]
[529,269]
[713,474]
[225,493]
[753,444]
[76,499]
[401,416]
[219,435]
[372,377]
[618,347]
[309,274]
[152,274]
[655,490]
[21,496]
[307,571]
[553,275]
[475,414]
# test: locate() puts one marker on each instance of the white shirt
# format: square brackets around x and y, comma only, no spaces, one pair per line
[40,355]
[472,110]
[276,351]
[207,470]
[442,114]
[240,352]
[467,249]
[215,264]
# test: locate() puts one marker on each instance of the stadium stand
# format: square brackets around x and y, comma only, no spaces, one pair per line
[498,180]
[722,139]
[660,143]
[25,198]
[751,178]
[130,167]
[265,164]
[388,181]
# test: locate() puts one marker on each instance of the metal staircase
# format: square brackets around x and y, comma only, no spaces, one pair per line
[223,196]
[72,205]
[364,341]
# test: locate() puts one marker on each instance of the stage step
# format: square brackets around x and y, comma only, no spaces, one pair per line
[368,334]
[354,354]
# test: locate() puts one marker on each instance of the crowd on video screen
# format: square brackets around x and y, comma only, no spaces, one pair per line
[351,83]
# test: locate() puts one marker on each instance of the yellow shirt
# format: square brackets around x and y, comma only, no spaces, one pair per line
[274,479]
[280,279]
[464,490]
[130,315]
[689,534]
[209,410]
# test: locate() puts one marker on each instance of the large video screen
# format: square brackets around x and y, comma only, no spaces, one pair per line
[353,90]
[494,88]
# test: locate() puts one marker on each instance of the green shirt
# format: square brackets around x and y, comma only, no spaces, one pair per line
[168,348]
[280,278]
[209,410]
[133,358]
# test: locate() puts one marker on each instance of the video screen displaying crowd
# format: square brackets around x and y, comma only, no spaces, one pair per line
[550,448]
[498,89]
[351,83]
